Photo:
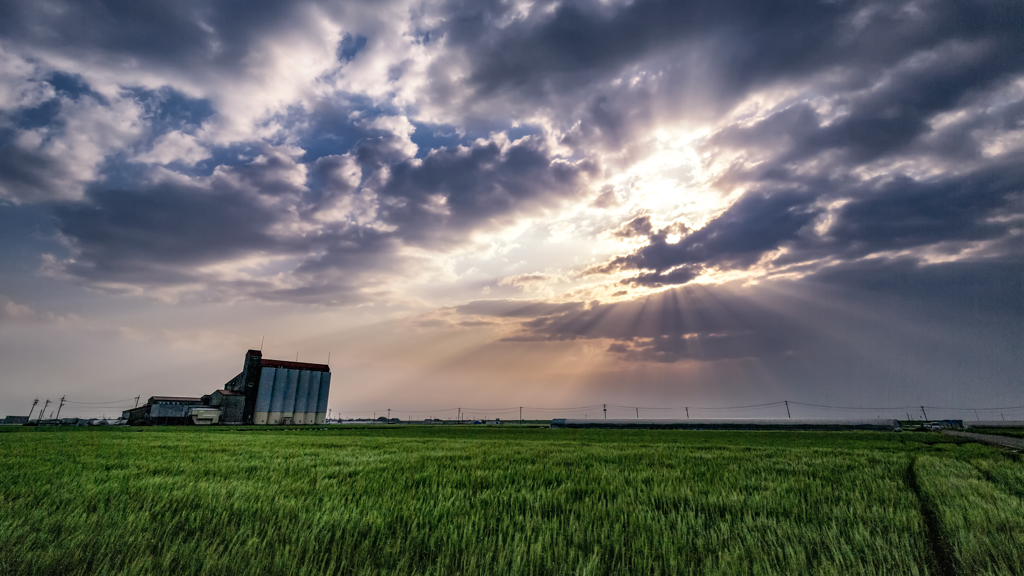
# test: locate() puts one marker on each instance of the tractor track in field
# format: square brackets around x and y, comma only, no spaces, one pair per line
[941,558]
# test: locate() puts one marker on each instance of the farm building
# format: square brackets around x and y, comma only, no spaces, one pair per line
[264,392]
[169,410]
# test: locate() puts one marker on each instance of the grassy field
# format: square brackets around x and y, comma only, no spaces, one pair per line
[476,501]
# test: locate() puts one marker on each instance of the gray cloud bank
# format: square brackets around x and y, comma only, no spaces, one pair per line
[852,135]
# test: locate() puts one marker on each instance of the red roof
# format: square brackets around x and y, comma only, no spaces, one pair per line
[295,365]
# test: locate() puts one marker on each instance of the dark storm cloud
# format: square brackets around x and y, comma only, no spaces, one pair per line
[890,214]
[637,227]
[905,213]
[439,198]
[715,322]
[868,82]
[696,323]
[167,34]
[894,118]
[30,175]
[706,56]
[755,224]
[580,40]
[158,233]
[613,72]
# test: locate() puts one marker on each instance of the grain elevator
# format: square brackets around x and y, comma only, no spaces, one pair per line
[265,392]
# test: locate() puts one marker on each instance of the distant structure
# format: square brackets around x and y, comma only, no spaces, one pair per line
[732,424]
[15,420]
[265,392]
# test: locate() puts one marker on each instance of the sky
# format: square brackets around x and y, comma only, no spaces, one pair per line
[648,204]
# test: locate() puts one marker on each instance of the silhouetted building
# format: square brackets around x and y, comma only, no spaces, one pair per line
[264,392]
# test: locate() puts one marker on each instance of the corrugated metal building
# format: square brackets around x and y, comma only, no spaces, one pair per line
[264,392]
[165,410]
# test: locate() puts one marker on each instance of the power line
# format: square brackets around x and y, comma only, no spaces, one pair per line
[109,402]
[779,403]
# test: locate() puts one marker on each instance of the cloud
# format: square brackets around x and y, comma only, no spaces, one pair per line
[784,319]
[516,308]
[257,230]
[58,160]
[174,147]
[451,192]
[13,312]
[291,151]
[531,282]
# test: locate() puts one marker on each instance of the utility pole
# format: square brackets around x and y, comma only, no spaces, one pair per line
[637,412]
[43,411]
[33,408]
[976,417]
[787,409]
[137,401]
[459,417]
[59,407]
[605,411]
[389,415]
[687,411]
[923,412]
[520,415]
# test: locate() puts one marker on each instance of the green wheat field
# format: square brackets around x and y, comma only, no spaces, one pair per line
[496,501]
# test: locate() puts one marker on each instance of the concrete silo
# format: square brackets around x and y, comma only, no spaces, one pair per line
[321,404]
[313,396]
[300,398]
[290,392]
[264,392]
[261,412]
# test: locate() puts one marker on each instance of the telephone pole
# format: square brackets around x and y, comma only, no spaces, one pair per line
[137,401]
[59,407]
[43,411]
[605,411]
[923,412]
[520,415]
[33,408]
[389,415]
[687,411]
[788,415]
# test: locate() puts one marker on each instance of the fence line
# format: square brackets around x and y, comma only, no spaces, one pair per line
[785,409]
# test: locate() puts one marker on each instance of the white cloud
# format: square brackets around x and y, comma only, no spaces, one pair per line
[174,147]
[21,82]
[57,162]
